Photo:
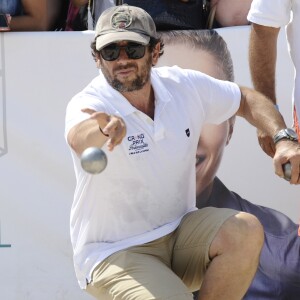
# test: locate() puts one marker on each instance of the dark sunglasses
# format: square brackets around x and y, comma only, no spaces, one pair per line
[133,51]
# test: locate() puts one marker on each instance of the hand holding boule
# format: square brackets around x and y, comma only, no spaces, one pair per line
[113,127]
[287,171]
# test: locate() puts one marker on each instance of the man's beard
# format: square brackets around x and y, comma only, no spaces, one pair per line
[129,86]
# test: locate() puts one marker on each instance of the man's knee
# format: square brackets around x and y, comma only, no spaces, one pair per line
[242,234]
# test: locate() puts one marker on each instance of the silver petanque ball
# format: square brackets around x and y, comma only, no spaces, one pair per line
[287,170]
[93,160]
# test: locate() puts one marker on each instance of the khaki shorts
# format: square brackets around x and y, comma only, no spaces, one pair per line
[171,267]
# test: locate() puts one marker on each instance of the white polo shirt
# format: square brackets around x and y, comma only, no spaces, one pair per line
[149,182]
[279,13]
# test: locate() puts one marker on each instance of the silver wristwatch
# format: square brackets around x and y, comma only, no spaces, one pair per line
[285,134]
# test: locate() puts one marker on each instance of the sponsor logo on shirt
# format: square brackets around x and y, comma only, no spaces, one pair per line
[187,132]
[137,144]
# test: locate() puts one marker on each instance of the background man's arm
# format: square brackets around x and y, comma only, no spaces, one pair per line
[262,60]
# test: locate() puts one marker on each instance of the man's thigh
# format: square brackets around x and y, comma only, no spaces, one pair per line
[168,268]
[192,242]
[140,273]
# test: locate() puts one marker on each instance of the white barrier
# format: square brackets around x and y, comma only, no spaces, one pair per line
[39,73]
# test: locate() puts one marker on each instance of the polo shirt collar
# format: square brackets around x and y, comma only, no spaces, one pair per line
[162,95]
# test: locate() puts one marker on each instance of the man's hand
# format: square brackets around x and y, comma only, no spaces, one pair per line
[111,126]
[266,143]
[288,151]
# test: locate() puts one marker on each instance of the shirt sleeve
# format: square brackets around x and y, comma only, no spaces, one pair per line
[272,13]
[218,100]
[74,113]
[224,101]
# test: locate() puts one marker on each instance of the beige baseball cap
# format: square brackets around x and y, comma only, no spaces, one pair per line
[124,23]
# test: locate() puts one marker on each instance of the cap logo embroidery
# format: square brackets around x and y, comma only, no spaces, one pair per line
[121,20]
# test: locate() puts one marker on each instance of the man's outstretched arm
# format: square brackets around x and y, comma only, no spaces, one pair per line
[259,111]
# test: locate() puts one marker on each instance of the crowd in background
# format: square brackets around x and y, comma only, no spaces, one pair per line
[34,15]
[73,15]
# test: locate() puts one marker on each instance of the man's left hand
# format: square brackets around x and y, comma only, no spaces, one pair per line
[288,151]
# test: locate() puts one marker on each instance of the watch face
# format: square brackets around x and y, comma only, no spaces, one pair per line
[291,133]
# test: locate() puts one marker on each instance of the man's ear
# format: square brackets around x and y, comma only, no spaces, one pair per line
[98,62]
[231,122]
[155,54]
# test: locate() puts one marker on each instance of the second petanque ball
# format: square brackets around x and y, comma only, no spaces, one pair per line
[287,170]
[93,160]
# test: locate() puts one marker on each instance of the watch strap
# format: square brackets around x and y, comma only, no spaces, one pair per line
[285,134]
